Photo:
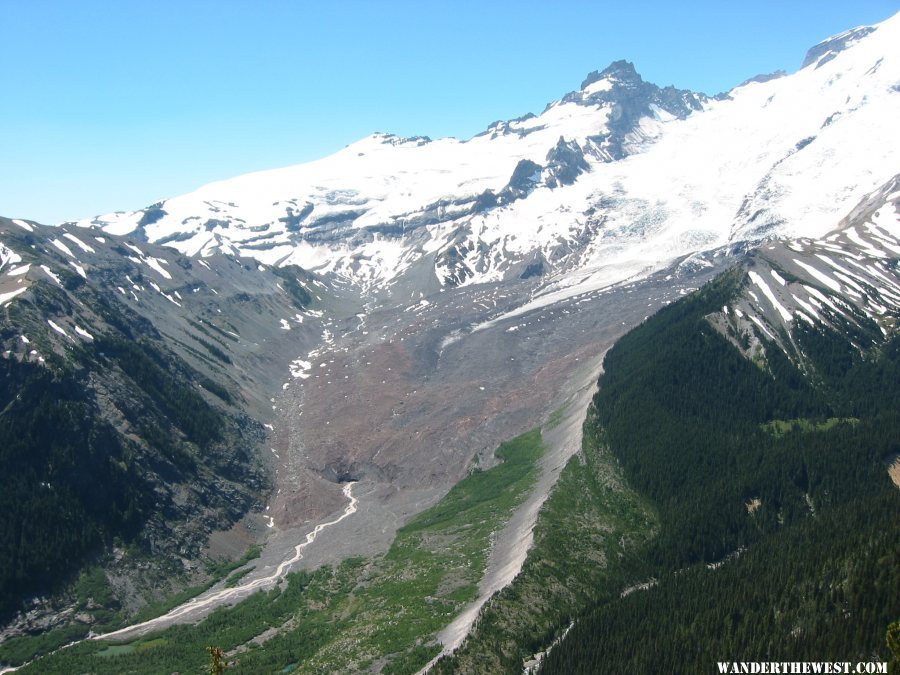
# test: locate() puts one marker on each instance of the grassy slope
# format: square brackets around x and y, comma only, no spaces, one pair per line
[379,612]
[588,527]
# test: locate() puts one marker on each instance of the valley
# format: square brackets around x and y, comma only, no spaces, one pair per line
[465,406]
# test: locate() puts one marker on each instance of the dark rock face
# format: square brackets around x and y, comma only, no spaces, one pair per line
[534,269]
[453,259]
[629,91]
[485,202]
[629,98]
[131,415]
[764,77]
[525,177]
[621,70]
[823,52]
[152,214]
[293,219]
[565,162]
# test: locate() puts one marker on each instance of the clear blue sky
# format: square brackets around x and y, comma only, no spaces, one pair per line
[113,105]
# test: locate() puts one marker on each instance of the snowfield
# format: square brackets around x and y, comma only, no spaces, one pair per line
[784,157]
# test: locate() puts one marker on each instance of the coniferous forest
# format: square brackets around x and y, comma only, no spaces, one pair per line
[72,484]
[779,533]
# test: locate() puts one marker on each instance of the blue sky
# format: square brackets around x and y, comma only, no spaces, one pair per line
[113,105]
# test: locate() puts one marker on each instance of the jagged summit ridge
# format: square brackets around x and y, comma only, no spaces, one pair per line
[609,181]
[621,71]
[826,50]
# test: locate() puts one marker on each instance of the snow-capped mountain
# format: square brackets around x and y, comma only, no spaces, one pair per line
[610,181]
[197,365]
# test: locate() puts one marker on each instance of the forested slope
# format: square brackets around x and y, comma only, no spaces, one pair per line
[779,524]
[132,392]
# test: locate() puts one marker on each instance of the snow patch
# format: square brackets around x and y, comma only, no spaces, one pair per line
[57,328]
[8,256]
[762,326]
[6,297]
[764,287]
[156,264]
[62,247]
[600,85]
[18,271]
[300,368]
[75,240]
[821,276]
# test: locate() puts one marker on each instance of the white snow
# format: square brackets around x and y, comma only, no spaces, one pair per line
[887,218]
[23,224]
[19,271]
[157,265]
[56,327]
[805,305]
[676,195]
[865,246]
[850,283]
[842,271]
[62,247]
[8,256]
[83,333]
[78,268]
[764,287]
[821,276]
[761,325]
[300,368]
[6,297]
[75,240]
[877,274]
[600,85]
[824,299]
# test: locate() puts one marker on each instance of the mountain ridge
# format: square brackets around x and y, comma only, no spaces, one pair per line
[385,206]
[389,314]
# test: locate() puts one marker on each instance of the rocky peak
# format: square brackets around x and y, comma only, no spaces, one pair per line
[620,71]
[826,50]
[565,162]
[619,85]
[525,177]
